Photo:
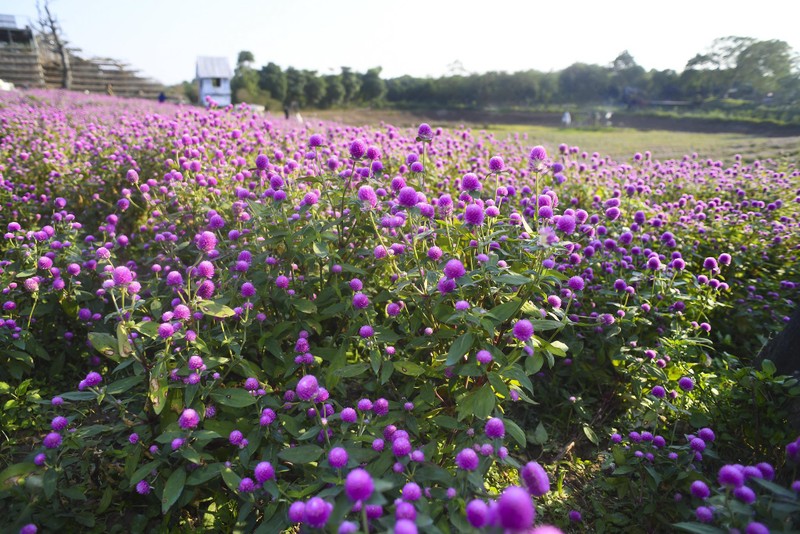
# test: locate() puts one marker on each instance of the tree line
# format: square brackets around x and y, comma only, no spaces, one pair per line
[740,68]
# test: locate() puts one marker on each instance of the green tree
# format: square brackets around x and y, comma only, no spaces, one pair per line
[295,86]
[314,88]
[764,66]
[334,91]
[373,88]
[272,79]
[351,83]
[582,83]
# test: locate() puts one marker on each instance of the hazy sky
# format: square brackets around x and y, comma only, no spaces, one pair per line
[162,38]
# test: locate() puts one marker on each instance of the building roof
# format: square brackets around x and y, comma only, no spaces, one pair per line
[213,67]
[8,22]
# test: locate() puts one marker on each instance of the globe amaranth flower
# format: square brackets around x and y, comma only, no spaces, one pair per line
[367,196]
[425,132]
[477,513]
[699,489]
[515,509]
[535,479]
[264,472]
[337,457]
[730,476]
[454,269]
[357,149]
[360,301]
[358,485]
[297,511]
[523,330]
[495,428]
[316,512]
[474,215]
[189,419]
[496,164]
[467,459]
[483,356]
[206,241]
[262,162]
[381,407]
[408,197]
[411,492]
[686,383]
[246,485]
[566,224]
[575,283]
[52,440]
[143,487]
[307,388]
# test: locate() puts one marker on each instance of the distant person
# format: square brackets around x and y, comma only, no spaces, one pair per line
[162,97]
[566,119]
[286,111]
[109,89]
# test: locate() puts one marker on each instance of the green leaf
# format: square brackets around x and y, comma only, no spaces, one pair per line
[445,421]
[539,436]
[768,367]
[557,348]
[543,325]
[351,370]
[203,474]
[515,432]
[301,455]
[775,488]
[16,470]
[504,311]
[304,306]
[409,368]
[698,528]
[216,309]
[233,397]
[484,402]
[590,434]
[105,344]
[231,479]
[173,489]
[75,493]
[512,279]
[121,386]
[124,348]
[158,387]
[459,348]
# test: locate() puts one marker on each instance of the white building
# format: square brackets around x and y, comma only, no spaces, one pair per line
[214,80]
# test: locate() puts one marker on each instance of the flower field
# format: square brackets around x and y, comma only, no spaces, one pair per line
[218,320]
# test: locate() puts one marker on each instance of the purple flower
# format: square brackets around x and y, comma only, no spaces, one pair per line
[297,512]
[381,407]
[496,164]
[483,356]
[366,194]
[52,440]
[411,492]
[337,457]
[575,283]
[699,489]
[495,428]
[360,301]
[470,182]
[316,512]
[473,214]
[357,149]
[189,419]
[477,513]
[246,485]
[59,423]
[307,387]
[402,447]
[535,479]
[358,485]
[704,514]
[566,224]
[730,476]
[408,197]
[454,269]
[425,132]
[143,487]
[745,494]
[710,264]
[523,330]
[686,383]
[467,460]
[206,241]
[264,471]
[515,509]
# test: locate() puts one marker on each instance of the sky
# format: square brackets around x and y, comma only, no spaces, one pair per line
[162,38]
